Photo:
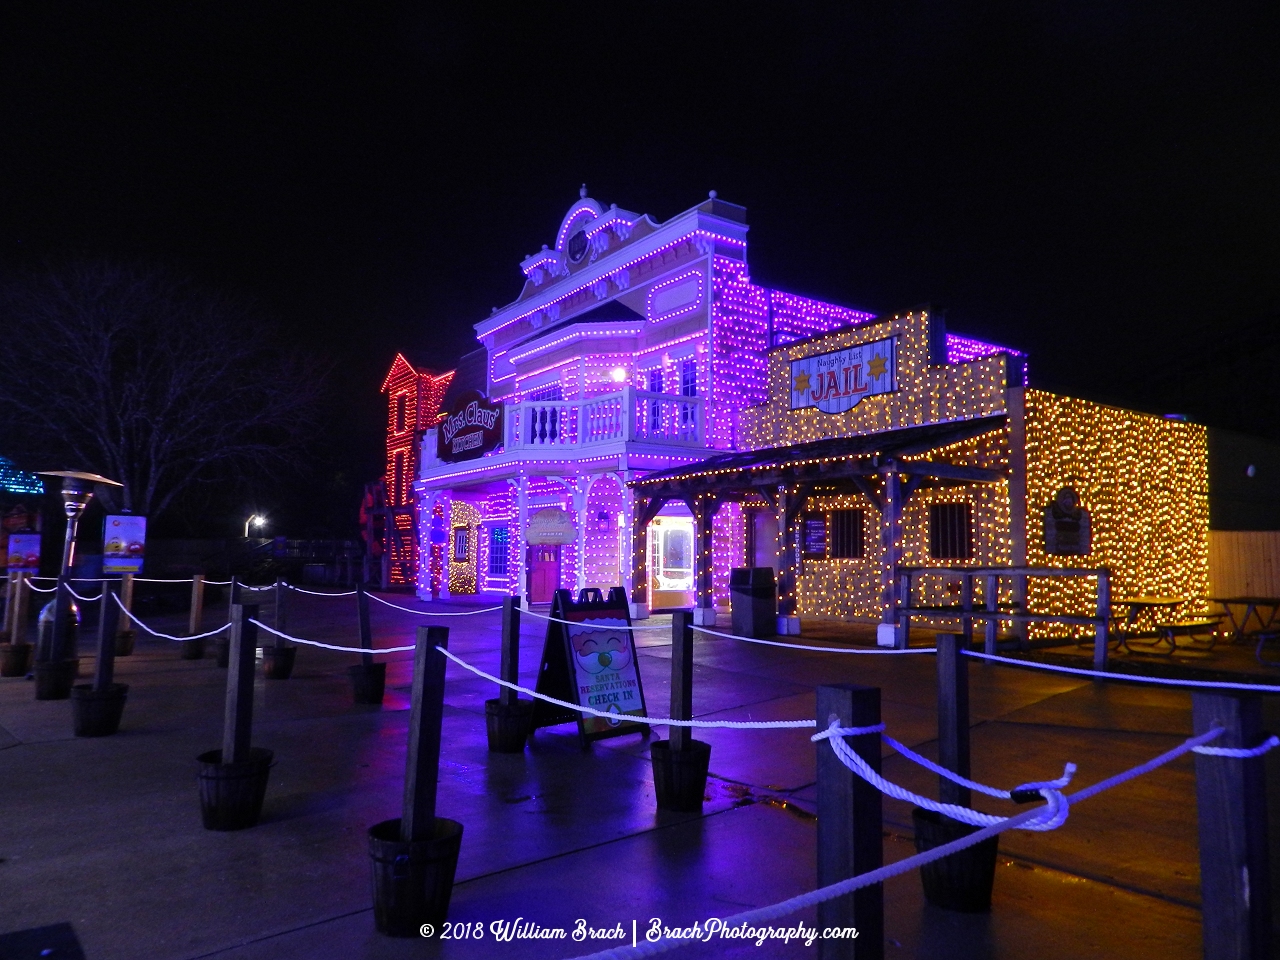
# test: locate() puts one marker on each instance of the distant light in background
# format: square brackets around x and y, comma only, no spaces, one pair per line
[256,521]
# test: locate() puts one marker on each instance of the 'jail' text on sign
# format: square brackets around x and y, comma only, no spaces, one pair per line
[835,382]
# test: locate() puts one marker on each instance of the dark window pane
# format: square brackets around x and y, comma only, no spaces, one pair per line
[950,531]
[846,534]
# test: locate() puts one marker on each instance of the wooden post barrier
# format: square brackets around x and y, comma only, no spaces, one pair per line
[414,857]
[125,634]
[282,611]
[279,655]
[850,825]
[1231,805]
[953,716]
[509,719]
[966,607]
[222,643]
[233,780]
[1104,614]
[195,623]
[991,596]
[10,590]
[368,679]
[680,763]
[96,708]
[15,655]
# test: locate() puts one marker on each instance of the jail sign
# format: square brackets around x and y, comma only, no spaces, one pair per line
[835,382]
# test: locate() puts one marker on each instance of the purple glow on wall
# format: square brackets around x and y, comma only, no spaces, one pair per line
[964,349]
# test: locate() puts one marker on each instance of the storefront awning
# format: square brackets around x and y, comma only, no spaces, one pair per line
[848,459]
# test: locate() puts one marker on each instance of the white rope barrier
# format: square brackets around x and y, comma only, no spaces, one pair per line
[164,636]
[319,593]
[430,613]
[1135,678]
[1055,811]
[218,583]
[1241,753]
[800,646]
[161,580]
[329,646]
[32,586]
[592,626]
[652,721]
[733,927]
[83,599]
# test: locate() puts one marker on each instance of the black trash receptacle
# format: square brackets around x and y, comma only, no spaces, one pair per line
[753,600]
[964,880]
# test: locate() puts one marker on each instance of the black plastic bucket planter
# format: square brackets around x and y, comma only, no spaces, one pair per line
[412,882]
[192,649]
[231,794]
[680,777]
[508,725]
[15,659]
[962,881]
[55,678]
[277,662]
[96,713]
[368,682]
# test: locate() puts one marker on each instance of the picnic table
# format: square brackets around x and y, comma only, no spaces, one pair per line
[1253,607]
[1167,629]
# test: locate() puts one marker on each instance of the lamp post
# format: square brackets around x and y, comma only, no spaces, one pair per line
[77,491]
[256,520]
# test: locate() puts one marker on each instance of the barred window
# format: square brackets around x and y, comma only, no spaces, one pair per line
[846,534]
[950,531]
[460,544]
[498,551]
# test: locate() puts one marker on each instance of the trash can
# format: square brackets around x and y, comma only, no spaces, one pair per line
[753,600]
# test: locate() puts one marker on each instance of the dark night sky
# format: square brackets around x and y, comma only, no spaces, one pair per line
[1093,182]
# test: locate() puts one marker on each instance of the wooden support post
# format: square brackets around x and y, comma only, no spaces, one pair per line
[966,605]
[902,638]
[237,722]
[422,769]
[891,541]
[1104,615]
[282,609]
[1020,605]
[953,716]
[195,623]
[366,635]
[681,677]
[849,825]
[6,631]
[1231,805]
[509,667]
[126,598]
[18,628]
[991,594]
[104,670]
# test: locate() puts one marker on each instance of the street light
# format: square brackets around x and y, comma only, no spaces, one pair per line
[256,520]
[77,491]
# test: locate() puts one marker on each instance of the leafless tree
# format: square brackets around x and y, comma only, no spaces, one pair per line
[148,379]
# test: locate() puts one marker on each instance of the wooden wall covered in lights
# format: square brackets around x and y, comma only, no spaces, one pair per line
[1144,480]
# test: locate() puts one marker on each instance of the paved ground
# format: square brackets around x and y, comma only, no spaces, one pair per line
[105,833]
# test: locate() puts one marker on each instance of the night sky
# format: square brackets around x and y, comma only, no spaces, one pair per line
[1095,183]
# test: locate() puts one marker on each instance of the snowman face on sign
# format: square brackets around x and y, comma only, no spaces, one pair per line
[601,650]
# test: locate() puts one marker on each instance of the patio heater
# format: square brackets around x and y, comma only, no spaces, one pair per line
[77,491]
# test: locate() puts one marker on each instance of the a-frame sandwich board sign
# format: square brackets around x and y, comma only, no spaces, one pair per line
[590,659]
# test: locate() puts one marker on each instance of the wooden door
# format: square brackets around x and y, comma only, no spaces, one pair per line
[544,572]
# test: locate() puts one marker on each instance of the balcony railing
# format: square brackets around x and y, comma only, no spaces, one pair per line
[628,415]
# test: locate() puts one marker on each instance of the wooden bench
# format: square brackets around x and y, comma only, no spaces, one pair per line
[1190,629]
[1263,636]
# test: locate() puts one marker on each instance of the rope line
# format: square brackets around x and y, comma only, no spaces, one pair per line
[799,646]
[318,593]
[161,580]
[1105,675]
[164,636]
[218,583]
[429,613]
[1241,753]
[1054,812]
[591,626]
[32,586]
[329,646]
[843,887]
[652,721]
[83,599]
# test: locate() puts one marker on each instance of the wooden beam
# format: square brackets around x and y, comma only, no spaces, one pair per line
[681,677]
[426,712]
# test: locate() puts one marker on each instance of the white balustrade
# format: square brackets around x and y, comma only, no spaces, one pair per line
[626,416]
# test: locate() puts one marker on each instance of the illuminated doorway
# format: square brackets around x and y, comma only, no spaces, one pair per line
[671,562]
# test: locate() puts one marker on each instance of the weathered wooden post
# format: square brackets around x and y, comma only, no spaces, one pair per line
[368,679]
[194,649]
[680,763]
[850,825]
[15,656]
[222,647]
[962,881]
[415,856]
[279,655]
[233,780]
[991,594]
[509,719]
[1104,616]
[1231,804]
[125,634]
[96,708]
[966,606]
